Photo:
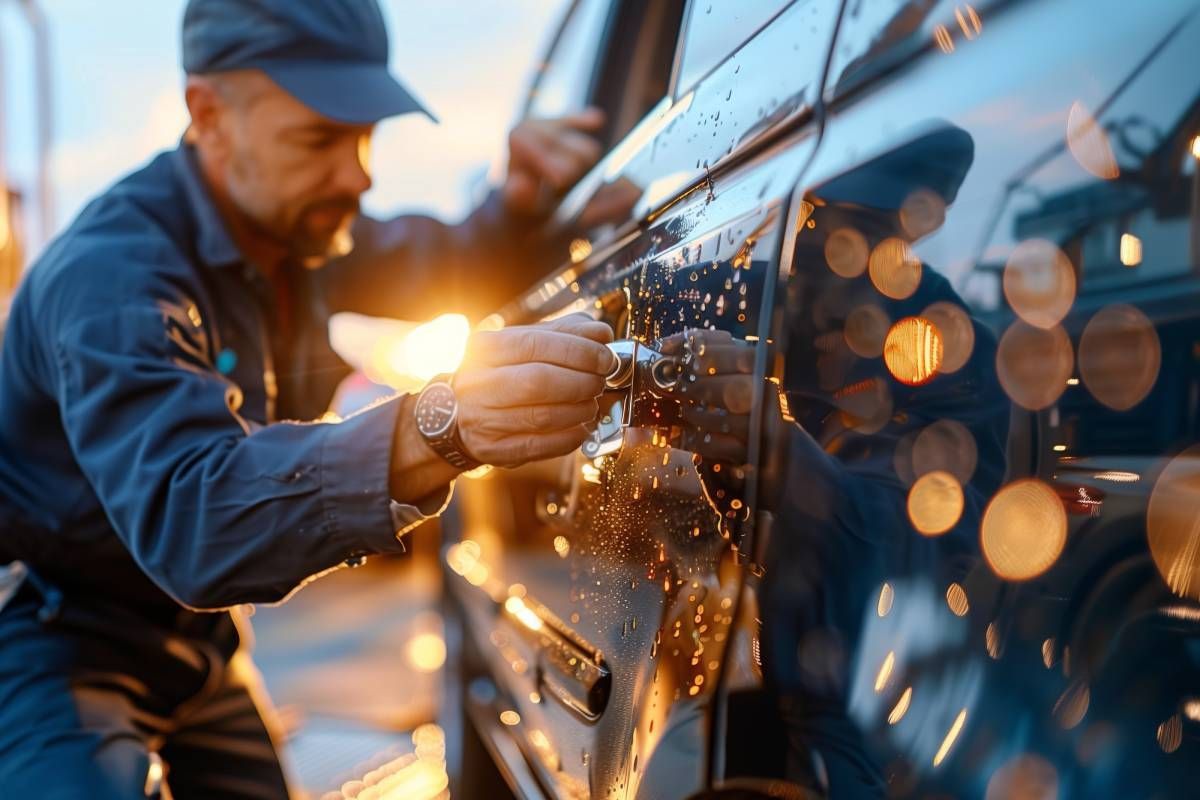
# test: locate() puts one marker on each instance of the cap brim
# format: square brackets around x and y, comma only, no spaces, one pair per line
[356,94]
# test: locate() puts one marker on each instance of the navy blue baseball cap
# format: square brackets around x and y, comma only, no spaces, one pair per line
[331,55]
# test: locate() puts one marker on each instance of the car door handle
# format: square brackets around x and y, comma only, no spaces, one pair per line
[636,359]
[639,369]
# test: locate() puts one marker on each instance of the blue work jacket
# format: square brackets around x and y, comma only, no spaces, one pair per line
[146,372]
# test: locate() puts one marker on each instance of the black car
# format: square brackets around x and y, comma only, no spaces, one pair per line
[895,492]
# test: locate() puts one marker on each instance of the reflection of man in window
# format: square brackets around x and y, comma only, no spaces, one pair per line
[878,410]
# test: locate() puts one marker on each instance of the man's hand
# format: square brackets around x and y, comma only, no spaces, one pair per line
[547,156]
[527,393]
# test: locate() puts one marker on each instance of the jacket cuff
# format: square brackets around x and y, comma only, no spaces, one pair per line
[356,457]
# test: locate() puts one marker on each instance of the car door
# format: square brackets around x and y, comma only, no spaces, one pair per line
[991,328]
[601,593]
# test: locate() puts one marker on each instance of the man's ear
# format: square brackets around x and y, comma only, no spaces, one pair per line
[207,109]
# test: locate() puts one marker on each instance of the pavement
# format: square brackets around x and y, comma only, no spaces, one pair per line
[353,664]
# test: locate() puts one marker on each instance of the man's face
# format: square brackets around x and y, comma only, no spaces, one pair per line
[295,175]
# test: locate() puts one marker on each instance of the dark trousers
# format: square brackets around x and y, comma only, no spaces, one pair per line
[96,702]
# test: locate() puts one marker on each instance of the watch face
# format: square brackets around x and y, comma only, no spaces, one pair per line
[436,409]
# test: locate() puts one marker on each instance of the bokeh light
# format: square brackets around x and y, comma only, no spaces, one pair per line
[1024,777]
[865,406]
[1119,356]
[1033,364]
[956,599]
[866,330]
[921,213]
[1089,144]
[951,737]
[1039,282]
[945,445]
[912,351]
[1173,524]
[895,270]
[426,651]
[935,503]
[1170,734]
[846,252]
[958,334]
[901,708]
[1072,704]
[1024,530]
[1130,250]
[886,596]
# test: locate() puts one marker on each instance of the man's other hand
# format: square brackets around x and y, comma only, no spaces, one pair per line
[547,156]
[527,393]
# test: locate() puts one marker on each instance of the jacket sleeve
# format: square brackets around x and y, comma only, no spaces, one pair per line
[213,509]
[414,267]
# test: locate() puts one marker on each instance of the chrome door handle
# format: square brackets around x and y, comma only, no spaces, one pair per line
[636,358]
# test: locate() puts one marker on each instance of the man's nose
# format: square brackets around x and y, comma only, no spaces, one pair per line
[354,167]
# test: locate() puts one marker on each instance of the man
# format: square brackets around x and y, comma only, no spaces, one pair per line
[152,351]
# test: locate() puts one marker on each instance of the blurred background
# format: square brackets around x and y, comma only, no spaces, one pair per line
[91,91]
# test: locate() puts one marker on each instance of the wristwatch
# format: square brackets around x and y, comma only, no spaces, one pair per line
[436,415]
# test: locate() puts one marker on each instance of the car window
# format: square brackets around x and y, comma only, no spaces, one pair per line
[564,82]
[715,29]
[876,35]
[1005,237]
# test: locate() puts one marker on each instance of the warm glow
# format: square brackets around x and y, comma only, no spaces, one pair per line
[948,446]
[942,36]
[958,334]
[894,269]
[1170,734]
[921,213]
[885,671]
[1196,147]
[1024,530]
[846,252]
[562,546]
[1024,777]
[1072,705]
[866,330]
[1173,524]
[426,652]
[1089,144]
[523,613]
[901,707]
[5,222]
[935,503]
[912,351]
[1131,250]
[951,737]
[510,717]
[433,348]
[1039,282]
[1119,356]
[1033,364]
[580,249]
[956,598]
[886,596]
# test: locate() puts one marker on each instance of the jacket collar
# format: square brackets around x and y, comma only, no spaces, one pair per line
[214,245]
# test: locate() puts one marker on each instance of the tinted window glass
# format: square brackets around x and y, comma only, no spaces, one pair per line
[996,316]
[564,84]
[716,28]
[878,34]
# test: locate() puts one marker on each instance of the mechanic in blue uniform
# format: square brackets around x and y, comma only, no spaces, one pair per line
[153,356]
